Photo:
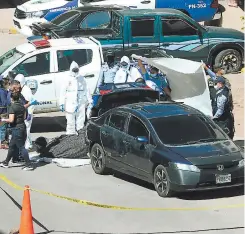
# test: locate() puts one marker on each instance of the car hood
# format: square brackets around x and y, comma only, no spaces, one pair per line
[224,33]
[208,153]
[38,5]
[126,96]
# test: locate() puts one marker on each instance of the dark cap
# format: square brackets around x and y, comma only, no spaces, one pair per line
[220,79]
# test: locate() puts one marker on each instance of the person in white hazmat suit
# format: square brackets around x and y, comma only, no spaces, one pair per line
[74,98]
[126,72]
[27,94]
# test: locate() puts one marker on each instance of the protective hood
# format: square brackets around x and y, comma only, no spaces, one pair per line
[187,80]
[125,60]
[21,79]
[73,66]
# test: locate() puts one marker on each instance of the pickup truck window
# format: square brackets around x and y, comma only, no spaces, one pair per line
[65,18]
[142,27]
[66,57]
[100,19]
[36,65]
[116,23]
[177,27]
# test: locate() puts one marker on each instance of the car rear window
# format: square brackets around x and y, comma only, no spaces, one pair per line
[186,129]
[65,18]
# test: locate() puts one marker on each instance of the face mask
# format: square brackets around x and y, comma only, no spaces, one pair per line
[216,87]
[153,75]
[125,68]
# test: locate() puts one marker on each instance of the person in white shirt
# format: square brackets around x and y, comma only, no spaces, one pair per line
[126,73]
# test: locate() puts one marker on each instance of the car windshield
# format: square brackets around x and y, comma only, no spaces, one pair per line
[65,18]
[186,129]
[9,58]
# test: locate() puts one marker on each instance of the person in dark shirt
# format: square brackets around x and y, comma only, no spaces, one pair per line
[16,120]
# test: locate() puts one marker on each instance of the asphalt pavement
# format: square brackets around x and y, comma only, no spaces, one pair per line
[203,212]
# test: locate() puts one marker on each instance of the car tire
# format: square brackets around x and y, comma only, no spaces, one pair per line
[98,160]
[225,58]
[162,182]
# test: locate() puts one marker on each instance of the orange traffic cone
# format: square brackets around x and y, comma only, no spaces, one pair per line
[26,224]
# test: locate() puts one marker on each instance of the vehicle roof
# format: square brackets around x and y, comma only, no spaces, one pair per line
[150,12]
[95,7]
[160,109]
[62,42]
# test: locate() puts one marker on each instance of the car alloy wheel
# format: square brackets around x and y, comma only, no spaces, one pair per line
[161,181]
[98,161]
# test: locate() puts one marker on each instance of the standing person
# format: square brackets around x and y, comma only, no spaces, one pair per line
[156,81]
[27,94]
[74,98]
[3,113]
[16,120]
[126,72]
[222,111]
[108,70]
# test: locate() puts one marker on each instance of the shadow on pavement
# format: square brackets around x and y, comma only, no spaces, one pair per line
[48,124]
[170,232]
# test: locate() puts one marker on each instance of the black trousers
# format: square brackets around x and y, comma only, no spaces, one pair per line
[227,122]
[17,145]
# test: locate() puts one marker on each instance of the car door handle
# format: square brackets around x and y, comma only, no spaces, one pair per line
[89,76]
[146,2]
[46,82]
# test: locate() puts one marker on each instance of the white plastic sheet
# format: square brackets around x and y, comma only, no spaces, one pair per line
[187,80]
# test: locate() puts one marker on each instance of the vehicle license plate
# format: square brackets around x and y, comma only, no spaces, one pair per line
[122,86]
[221,179]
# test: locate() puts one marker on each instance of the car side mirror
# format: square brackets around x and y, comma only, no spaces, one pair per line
[142,139]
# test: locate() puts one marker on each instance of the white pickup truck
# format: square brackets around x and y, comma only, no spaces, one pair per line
[45,64]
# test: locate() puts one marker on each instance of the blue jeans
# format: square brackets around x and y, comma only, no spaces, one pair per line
[3,129]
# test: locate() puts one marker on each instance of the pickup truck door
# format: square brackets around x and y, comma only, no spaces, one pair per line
[88,60]
[112,135]
[38,70]
[182,38]
[142,31]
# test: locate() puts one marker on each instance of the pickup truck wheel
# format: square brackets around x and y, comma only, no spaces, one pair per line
[98,160]
[161,181]
[230,59]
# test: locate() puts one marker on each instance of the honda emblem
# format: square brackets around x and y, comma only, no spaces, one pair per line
[220,167]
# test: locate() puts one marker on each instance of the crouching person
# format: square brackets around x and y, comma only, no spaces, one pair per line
[16,120]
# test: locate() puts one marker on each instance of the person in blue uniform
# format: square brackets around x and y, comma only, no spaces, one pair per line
[3,112]
[222,108]
[108,70]
[156,81]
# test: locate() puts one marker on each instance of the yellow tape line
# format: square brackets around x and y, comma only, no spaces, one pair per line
[88,203]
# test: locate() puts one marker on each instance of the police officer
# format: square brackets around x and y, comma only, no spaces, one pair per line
[108,70]
[156,81]
[222,108]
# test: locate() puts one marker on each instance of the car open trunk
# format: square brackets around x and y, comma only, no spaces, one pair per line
[122,97]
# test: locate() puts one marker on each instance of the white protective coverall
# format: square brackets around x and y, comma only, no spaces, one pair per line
[75,97]
[126,73]
[27,94]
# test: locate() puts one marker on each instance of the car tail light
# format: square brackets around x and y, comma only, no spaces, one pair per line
[215,4]
[103,92]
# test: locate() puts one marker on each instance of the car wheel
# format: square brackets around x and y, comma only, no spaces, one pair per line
[230,59]
[162,182]
[98,160]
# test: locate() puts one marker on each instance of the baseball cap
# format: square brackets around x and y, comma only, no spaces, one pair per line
[220,79]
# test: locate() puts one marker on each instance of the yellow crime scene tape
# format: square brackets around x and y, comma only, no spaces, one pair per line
[105,206]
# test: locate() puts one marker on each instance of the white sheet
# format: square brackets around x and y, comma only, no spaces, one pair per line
[60,162]
[187,80]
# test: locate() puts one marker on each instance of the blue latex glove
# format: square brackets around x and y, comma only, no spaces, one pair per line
[76,109]
[33,102]
[62,108]
[28,117]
